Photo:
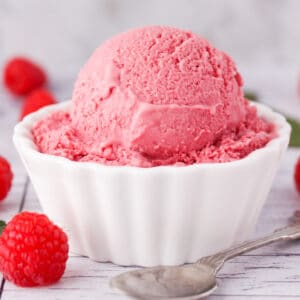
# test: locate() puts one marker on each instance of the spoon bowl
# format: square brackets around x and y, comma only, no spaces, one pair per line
[194,281]
[185,282]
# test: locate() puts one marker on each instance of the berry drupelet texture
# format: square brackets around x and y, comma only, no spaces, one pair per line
[33,250]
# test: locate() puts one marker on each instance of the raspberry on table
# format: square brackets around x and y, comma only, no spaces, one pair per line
[33,250]
[36,100]
[21,76]
[297,175]
[6,177]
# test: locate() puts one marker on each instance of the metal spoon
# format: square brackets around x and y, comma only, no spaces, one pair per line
[193,281]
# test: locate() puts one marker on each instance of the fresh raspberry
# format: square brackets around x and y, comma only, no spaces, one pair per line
[33,251]
[298,87]
[21,76]
[297,175]
[36,100]
[6,177]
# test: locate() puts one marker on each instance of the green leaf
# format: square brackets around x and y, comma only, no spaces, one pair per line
[250,95]
[295,135]
[295,124]
[2,226]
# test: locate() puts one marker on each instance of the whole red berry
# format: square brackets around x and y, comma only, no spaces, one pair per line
[33,251]
[21,76]
[6,177]
[36,100]
[297,175]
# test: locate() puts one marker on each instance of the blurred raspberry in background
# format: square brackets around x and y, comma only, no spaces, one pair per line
[21,76]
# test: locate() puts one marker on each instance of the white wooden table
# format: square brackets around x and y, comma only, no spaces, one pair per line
[269,273]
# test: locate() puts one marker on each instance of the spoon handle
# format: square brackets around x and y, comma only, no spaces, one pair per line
[217,260]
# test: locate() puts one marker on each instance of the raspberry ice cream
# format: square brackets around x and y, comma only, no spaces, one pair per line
[155,96]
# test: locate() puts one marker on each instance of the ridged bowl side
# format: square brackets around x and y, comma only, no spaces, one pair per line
[154,216]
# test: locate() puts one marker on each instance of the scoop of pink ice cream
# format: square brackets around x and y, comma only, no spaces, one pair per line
[157,91]
[155,96]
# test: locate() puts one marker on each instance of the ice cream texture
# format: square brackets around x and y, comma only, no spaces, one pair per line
[155,96]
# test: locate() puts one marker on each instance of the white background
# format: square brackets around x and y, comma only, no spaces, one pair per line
[62,34]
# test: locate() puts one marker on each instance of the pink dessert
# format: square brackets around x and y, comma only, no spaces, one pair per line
[155,96]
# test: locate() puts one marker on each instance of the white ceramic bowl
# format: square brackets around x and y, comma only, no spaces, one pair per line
[152,216]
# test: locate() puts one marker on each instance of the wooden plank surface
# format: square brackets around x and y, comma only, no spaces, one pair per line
[268,273]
